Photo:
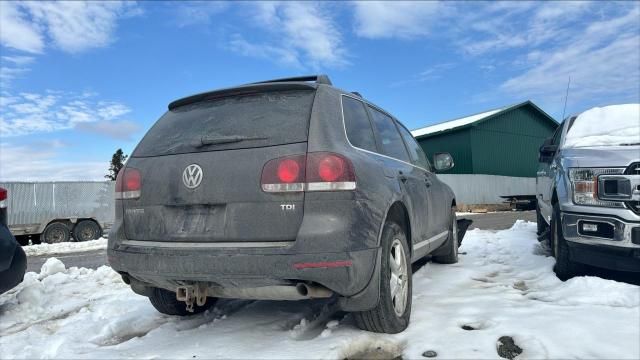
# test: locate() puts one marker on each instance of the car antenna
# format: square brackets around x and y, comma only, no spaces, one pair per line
[566,97]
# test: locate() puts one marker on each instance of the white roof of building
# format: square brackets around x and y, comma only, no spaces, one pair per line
[455,123]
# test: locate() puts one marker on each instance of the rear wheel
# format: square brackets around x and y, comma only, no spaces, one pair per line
[165,302]
[451,245]
[564,268]
[392,313]
[87,230]
[56,232]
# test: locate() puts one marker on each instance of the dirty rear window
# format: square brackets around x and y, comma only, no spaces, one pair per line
[238,122]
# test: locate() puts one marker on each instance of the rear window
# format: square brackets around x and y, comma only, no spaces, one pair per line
[238,122]
[359,131]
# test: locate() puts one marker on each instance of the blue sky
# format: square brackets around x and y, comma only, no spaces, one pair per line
[78,80]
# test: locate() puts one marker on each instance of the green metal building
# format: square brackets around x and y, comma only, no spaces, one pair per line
[502,141]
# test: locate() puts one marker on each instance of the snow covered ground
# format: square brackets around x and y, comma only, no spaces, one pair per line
[503,286]
[65,247]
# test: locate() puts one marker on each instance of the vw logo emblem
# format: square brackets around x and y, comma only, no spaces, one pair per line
[192,176]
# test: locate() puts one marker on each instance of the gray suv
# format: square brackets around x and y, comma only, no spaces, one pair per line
[588,191]
[287,189]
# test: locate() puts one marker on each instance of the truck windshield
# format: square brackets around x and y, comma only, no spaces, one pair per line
[236,122]
[615,125]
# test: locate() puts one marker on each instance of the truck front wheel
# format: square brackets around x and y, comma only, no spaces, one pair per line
[55,232]
[565,268]
[87,230]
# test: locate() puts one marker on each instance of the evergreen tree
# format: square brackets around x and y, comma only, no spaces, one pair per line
[117,162]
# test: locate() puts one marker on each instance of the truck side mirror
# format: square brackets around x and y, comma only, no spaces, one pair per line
[443,161]
[547,151]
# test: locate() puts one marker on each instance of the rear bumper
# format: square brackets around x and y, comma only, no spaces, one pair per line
[617,249]
[345,273]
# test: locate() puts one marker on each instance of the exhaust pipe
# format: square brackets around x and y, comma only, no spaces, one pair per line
[313,291]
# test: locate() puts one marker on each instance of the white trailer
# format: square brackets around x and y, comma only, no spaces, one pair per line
[60,211]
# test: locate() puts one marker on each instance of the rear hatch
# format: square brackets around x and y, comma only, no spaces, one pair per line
[201,166]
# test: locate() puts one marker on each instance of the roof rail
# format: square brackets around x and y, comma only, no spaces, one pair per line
[319,79]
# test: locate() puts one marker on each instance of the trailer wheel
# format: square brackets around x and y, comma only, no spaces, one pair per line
[87,230]
[56,232]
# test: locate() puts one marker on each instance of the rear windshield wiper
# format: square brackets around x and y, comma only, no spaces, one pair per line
[630,144]
[215,140]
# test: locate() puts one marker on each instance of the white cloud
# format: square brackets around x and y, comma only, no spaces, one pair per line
[432,73]
[502,26]
[122,130]
[16,31]
[602,58]
[285,56]
[72,26]
[27,113]
[299,33]
[17,60]
[396,19]
[43,162]
[197,12]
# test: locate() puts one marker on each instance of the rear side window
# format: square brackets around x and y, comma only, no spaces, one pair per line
[357,125]
[237,122]
[390,140]
[418,157]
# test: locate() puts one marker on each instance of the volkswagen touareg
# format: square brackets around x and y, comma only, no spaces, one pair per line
[287,189]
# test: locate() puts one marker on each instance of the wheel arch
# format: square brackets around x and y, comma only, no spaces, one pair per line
[399,214]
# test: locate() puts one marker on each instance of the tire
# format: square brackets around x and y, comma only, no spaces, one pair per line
[390,316]
[451,244]
[542,225]
[165,302]
[87,230]
[54,233]
[564,268]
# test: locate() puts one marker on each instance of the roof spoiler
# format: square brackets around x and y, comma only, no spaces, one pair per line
[318,79]
[299,82]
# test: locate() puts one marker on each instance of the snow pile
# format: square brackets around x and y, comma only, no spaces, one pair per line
[606,126]
[503,286]
[65,247]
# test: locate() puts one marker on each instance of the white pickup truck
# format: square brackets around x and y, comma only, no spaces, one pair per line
[588,191]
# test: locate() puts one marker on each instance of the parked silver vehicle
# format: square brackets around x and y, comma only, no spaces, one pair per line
[55,212]
[588,191]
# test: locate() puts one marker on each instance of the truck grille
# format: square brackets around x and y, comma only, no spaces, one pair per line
[633,169]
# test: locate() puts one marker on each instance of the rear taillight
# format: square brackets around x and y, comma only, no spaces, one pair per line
[284,174]
[3,198]
[320,171]
[128,184]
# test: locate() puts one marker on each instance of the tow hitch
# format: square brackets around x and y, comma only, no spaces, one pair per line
[191,294]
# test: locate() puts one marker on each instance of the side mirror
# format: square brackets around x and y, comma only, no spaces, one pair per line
[443,161]
[547,151]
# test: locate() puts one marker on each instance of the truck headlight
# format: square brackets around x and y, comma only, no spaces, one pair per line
[584,183]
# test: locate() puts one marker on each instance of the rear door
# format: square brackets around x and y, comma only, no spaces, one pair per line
[429,185]
[410,178]
[201,167]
